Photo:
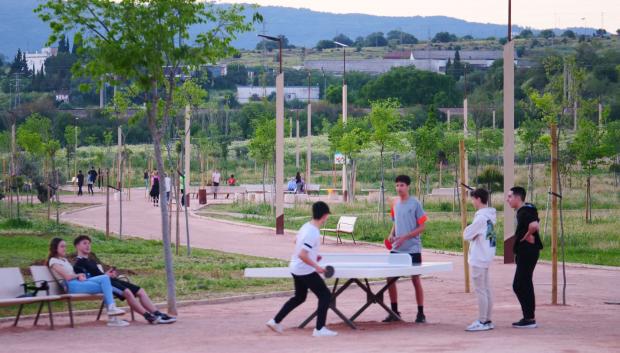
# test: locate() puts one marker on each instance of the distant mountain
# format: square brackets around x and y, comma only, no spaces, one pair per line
[21,28]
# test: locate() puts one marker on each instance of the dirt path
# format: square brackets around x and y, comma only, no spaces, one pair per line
[586,324]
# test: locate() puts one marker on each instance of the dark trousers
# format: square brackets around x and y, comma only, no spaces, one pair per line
[79,189]
[90,189]
[315,283]
[522,284]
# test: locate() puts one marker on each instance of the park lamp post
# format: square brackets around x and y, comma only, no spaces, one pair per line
[344,112]
[309,135]
[76,146]
[279,139]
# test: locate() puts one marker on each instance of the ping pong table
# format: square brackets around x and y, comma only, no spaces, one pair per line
[357,269]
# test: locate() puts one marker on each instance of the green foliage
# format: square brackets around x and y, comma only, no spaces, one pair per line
[589,146]
[491,178]
[383,118]
[262,145]
[34,134]
[426,141]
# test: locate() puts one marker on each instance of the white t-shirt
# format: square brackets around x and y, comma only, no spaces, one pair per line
[215,177]
[168,183]
[308,238]
[64,264]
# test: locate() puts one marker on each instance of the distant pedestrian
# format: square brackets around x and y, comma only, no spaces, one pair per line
[299,183]
[146,179]
[92,177]
[231,182]
[80,182]
[215,178]
[168,185]
[155,192]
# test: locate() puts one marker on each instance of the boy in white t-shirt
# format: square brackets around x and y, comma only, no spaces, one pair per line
[306,273]
[482,243]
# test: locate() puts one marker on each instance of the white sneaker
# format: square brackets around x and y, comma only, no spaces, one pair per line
[477,326]
[116,322]
[324,332]
[490,324]
[113,310]
[276,327]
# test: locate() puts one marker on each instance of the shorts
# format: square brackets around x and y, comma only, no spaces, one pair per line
[416,258]
[119,286]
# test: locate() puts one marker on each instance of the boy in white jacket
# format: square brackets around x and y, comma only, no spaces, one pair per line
[482,242]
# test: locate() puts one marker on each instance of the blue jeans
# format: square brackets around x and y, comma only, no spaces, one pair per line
[93,285]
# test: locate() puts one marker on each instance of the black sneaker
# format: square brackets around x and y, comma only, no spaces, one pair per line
[420,318]
[525,323]
[151,319]
[391,318]
[165,319]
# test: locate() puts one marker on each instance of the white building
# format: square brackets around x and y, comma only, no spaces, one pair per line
[246,94]
[37,59]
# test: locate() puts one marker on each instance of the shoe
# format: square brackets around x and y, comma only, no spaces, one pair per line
[478,326]
[392,318]
[116,322]
[165,318]
[276,327]
[490,324]
[152,319]
[525,323]
[324,332]
[420,318]
[114,311]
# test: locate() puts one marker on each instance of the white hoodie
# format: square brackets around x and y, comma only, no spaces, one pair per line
[482,238]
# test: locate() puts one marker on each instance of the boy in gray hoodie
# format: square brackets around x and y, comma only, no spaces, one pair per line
[482,242]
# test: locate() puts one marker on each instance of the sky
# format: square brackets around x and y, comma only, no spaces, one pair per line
[539,14]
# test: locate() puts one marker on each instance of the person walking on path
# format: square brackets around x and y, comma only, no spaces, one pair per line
[168,185]
[215,178]
[155,189]
[231,182]
[92,177]
[409,224]
[306,273]
[482,244]
[80,182]
[527,246]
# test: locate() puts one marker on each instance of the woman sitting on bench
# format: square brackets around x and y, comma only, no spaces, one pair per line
[78,283]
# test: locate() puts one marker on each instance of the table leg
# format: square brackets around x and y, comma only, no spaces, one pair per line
[374,298]
[335,293]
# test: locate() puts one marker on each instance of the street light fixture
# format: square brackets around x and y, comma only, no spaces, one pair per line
[279,139]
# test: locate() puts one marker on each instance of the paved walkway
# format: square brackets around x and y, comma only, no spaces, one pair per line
[586,324]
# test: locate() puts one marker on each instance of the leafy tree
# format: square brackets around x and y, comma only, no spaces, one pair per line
[590,149]
[325,44]
[526,33]
[444,37]
[383,119]
[426,142]
[402,37]
[569,34]
[530,133]
[546,33]
[262,145]
[341,38]
[140,42]
[270,45]
[375,39]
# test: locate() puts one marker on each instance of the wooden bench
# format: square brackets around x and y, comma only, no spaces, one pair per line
[15,291]
[313,188]
[346,225]
[43,273]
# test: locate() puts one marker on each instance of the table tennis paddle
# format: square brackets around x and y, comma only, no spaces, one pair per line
[329,271]
[387,243]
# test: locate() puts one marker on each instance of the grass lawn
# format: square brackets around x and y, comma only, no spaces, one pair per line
[596,243]
[206,274]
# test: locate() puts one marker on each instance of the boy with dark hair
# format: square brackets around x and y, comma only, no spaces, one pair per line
[409,222]
[527,246]
[306,273]
[136,297]
[482,243]
[80,182]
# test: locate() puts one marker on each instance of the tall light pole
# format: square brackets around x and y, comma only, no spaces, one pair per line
[509,138]
[309,136]
[279,139]
[76,145]
[344,113]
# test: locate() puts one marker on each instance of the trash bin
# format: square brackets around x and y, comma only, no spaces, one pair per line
[202,197]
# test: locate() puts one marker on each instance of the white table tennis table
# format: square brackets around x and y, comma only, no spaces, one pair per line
[358,268]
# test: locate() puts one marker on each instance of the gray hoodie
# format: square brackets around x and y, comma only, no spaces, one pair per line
[482,238]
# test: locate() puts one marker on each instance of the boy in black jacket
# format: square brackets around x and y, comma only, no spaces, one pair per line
[526,248]
[136,297]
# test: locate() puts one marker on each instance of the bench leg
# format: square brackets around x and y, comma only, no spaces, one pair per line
[353,237]
[19,313]
[100,310]
[49,311]
[133,317]
[36,319]
[70,307]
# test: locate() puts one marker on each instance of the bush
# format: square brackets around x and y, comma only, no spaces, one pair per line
[16,223]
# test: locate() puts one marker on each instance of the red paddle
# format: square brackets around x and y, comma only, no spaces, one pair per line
[387,243]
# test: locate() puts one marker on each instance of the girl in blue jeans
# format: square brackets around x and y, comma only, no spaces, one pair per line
[78,283]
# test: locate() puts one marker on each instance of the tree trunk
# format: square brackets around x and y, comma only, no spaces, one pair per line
[382,189]
[264,177]
[170,279]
